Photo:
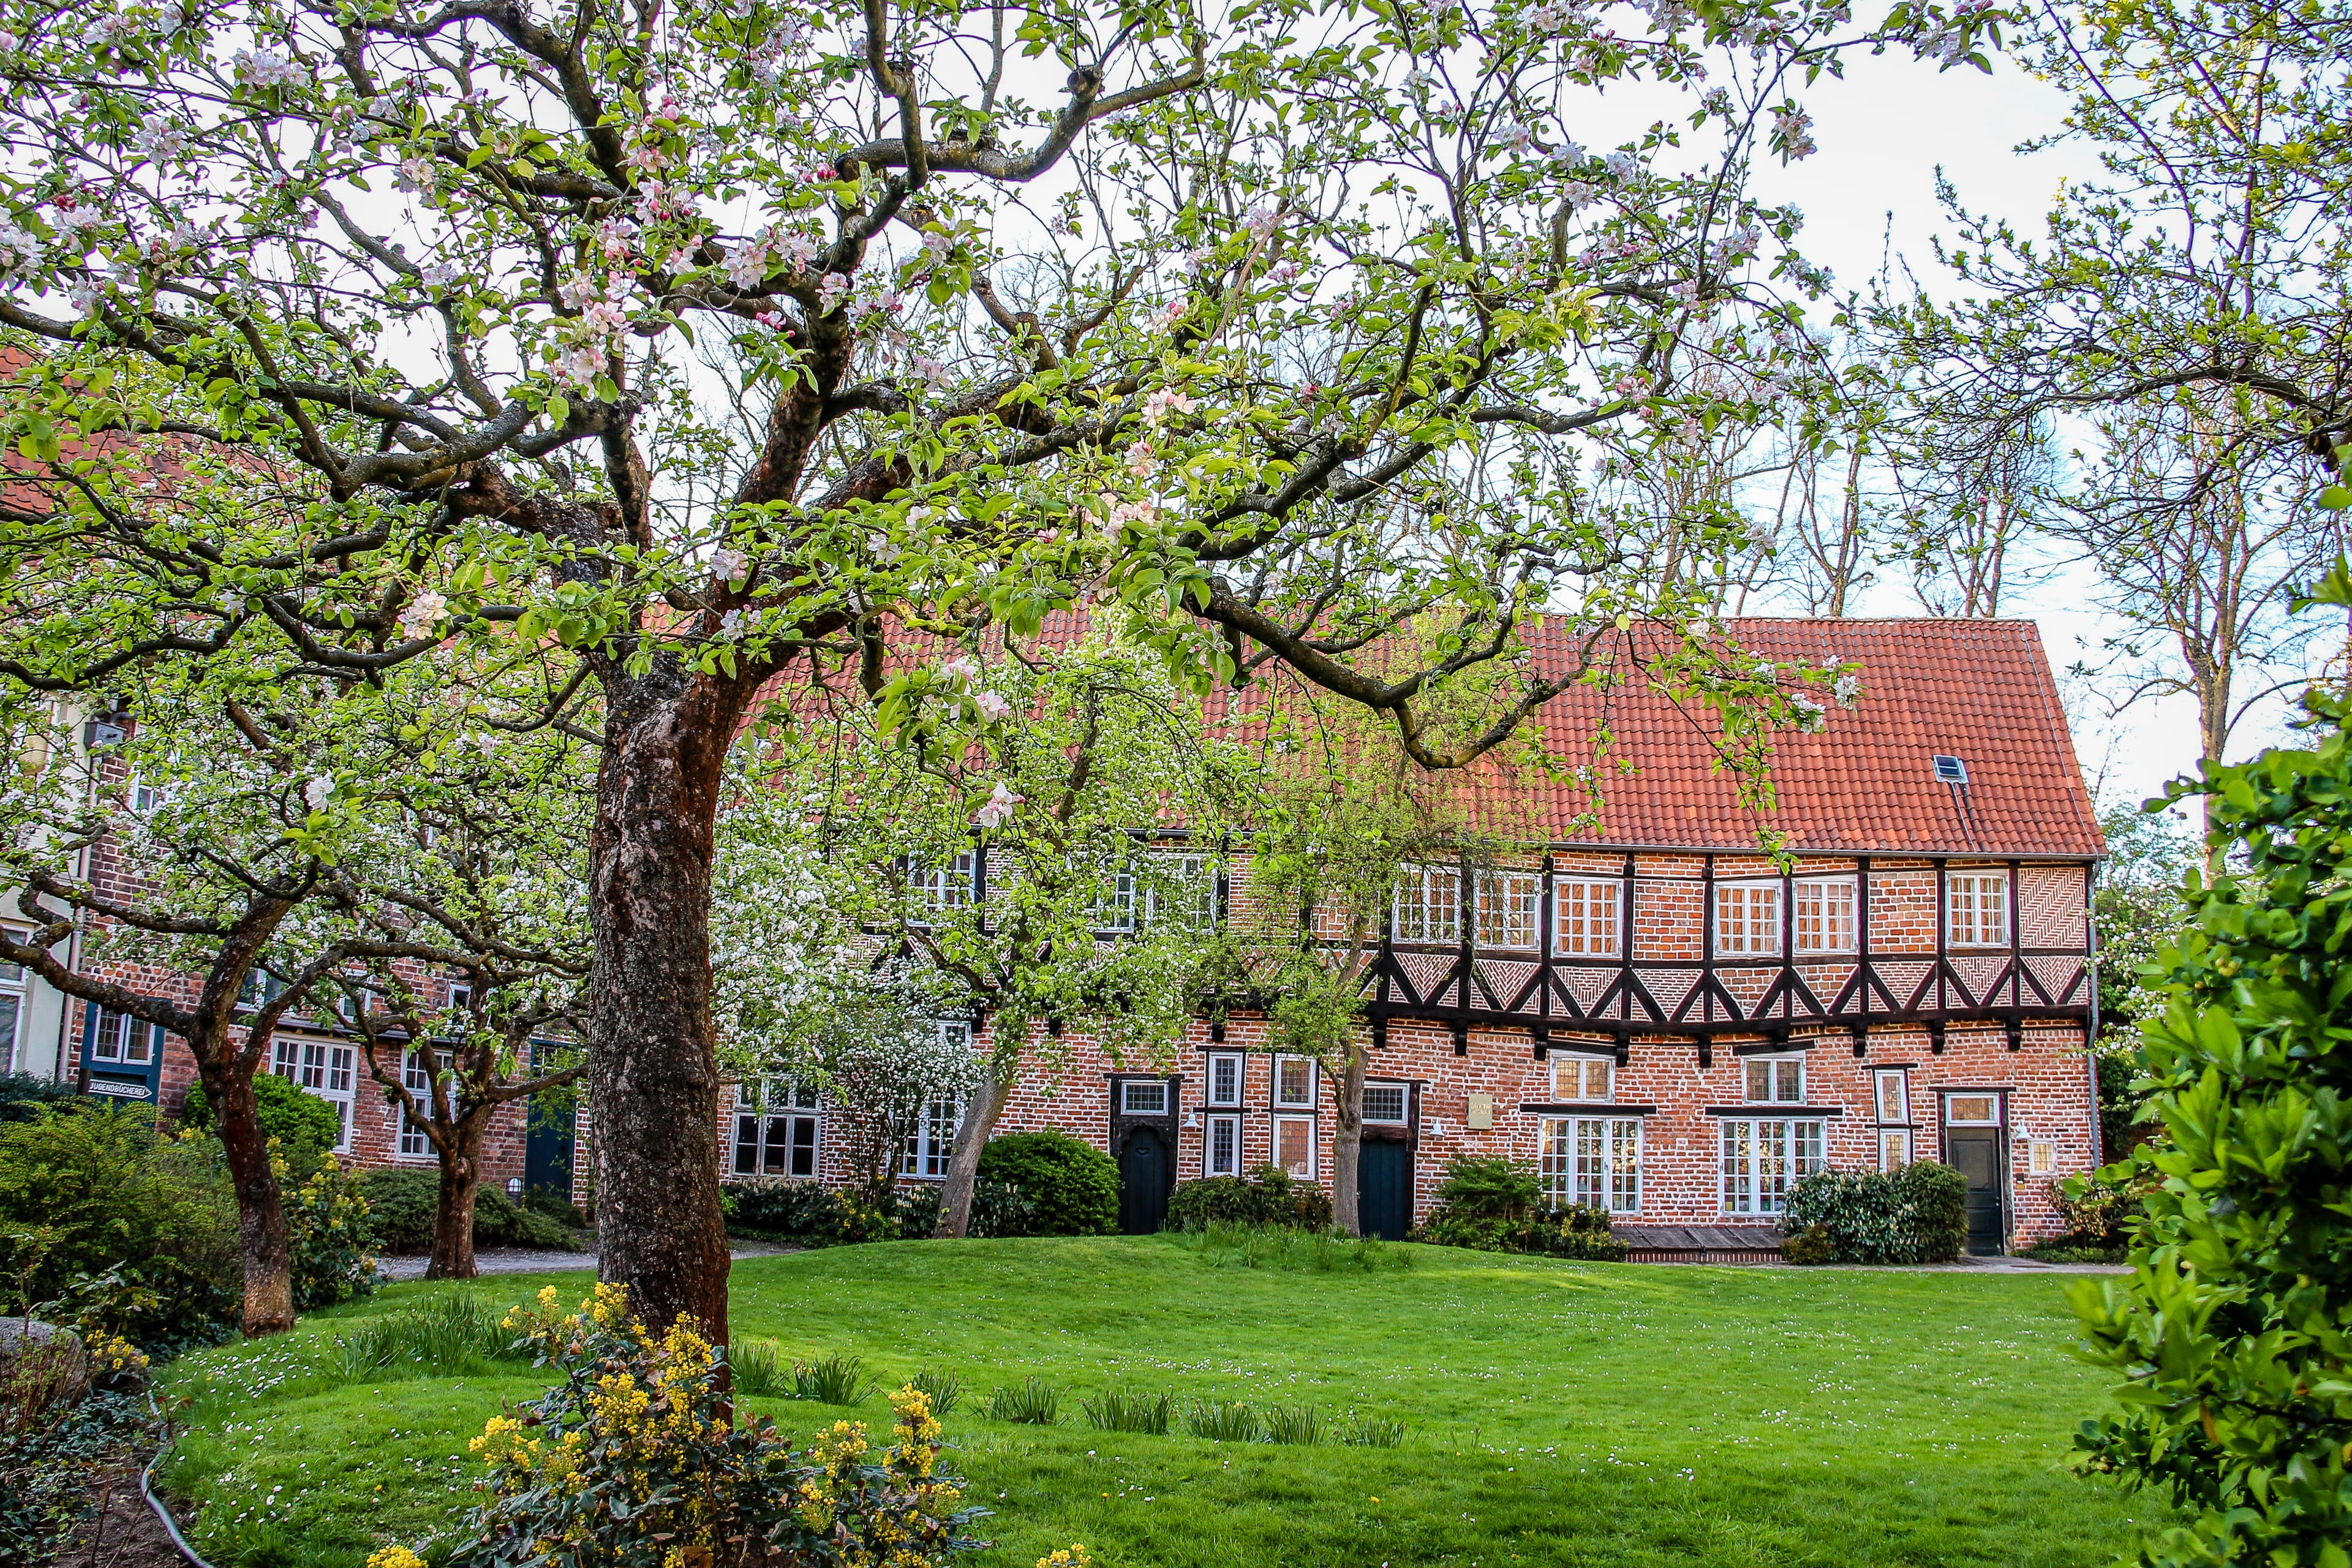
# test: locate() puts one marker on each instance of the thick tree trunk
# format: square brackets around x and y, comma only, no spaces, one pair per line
[1347,1140]
[653,1072]
[963,1168]
[268,1306]
[453,1209]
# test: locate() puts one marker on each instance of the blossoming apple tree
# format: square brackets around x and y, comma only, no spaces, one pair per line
[714,341]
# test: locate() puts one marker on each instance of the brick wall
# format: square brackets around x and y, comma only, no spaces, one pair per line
[2044,1085]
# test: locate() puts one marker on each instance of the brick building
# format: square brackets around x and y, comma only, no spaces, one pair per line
[1664,1021]
[111,1054]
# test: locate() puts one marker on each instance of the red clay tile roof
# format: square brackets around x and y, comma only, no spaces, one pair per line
[1979,690]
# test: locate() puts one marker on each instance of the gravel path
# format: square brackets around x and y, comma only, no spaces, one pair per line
[523,1260]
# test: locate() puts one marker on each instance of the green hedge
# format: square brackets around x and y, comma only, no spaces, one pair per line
[306,1127]
[22,1096]
[1072,1187]
[1917,1215]
[1272,1199]
[401,1204]
[807,1213]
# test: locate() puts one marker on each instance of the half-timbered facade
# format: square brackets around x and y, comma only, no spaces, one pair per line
[1667,1022]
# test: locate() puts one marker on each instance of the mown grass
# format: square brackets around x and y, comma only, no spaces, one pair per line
[1550,1413]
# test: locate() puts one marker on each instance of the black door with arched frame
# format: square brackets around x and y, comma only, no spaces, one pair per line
[1147,1173]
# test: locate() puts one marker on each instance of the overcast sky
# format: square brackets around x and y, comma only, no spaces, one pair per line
[1883,133]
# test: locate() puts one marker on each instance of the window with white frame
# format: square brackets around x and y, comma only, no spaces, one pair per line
[1763,1159]
[1189,897]
[12,1006]
[1293,1081]
[1776,1079]
[1893,1087]
[1973,1110]
[1226,1077]
[260,988]
[1585,917]
[1221,1153]
[1508,903]
[777,1126]
[322,1068]
[118,1039]
[1143,1097]
[1978,907]
[1595,1160]
[1747,920]
[146,795]
[931,1143]
[1823,919]
[417,1069]
[1384,1104]
[1429,904]
[2041,1157]
[1115,902]
[1894,1148]
[1583,1079]
[944,887]
[1294,1145]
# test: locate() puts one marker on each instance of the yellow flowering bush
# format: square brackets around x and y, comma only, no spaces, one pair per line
[632,1462]
[1074,1555]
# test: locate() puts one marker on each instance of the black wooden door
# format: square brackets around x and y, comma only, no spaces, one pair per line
[1145,1175]
[547,1147]
[1976,1151]
[1384,1188]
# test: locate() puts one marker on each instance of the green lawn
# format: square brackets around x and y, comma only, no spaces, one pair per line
[1556,1413]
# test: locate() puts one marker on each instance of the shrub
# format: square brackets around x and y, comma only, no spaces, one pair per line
[808,1214]
[1000,1208]
[1489,1187]
[1915,1214]
[1272,1198]
[306,1127]
[402,1203]
[1072,1186]
[1494,1204]
[632,1451]
[131,1233]
[555,1206]
[22,1096]
[1114,1410]
[1031,1402]
[2229,1334]
[1811,1245]
[328,1236]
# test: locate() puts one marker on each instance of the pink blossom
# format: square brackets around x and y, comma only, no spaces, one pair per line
[999,807]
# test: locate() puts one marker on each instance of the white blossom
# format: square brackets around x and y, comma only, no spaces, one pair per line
[730,564]
[993,706]
[423,613]
[316,794]
[997,808]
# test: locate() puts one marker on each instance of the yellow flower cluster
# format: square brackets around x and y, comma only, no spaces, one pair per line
[111,1352]
[1074,1555]
[918,1431]
[395,1557]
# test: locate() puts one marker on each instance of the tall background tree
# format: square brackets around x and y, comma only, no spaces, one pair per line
[1021,323]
